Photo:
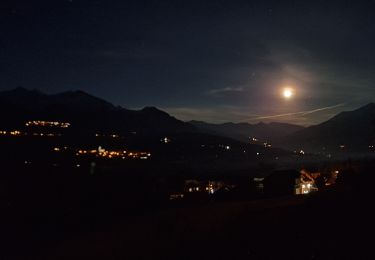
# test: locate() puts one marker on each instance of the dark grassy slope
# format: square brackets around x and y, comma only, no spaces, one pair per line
[331,225]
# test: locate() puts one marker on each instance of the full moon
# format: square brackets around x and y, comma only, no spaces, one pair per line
[287,93]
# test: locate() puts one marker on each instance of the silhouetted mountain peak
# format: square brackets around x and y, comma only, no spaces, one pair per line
[154,111]
[151,109]
[71,100]
[21,91]
[76,94]
[368,107]
[23,97]
[355,115]
[196,122]
[86,112]
[79,99]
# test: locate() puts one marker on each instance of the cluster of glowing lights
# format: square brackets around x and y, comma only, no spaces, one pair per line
[307,188]
[15,132]
[110,135]
[267,145]
[19,133]
[110,154]
[192,189]
[225,147]
[176,196]
[210,188]
[165,140]
[48,124]
[300,152]
[45,134]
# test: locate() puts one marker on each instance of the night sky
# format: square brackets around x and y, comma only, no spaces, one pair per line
[206,60]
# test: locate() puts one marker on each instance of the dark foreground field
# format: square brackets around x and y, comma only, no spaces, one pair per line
[49,215]
[330,225]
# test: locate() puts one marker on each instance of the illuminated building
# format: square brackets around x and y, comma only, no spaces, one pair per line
[305,188]
[305,183]
[289,182]
[259,185]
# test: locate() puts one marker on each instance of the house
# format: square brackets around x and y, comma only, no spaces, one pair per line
[288,182]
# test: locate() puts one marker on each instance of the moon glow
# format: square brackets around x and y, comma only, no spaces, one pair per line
[288,93]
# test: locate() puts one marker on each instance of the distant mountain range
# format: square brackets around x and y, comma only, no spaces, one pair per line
[85,112]
[93,120]
[264,132]
[352,131]
[347,131]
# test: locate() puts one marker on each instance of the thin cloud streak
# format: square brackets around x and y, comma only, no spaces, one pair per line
[220,114]
[324,108]
[222,91]
[301,113]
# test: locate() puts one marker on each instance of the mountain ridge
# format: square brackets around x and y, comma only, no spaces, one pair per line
[85,111]
[354,130]
[267,132]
